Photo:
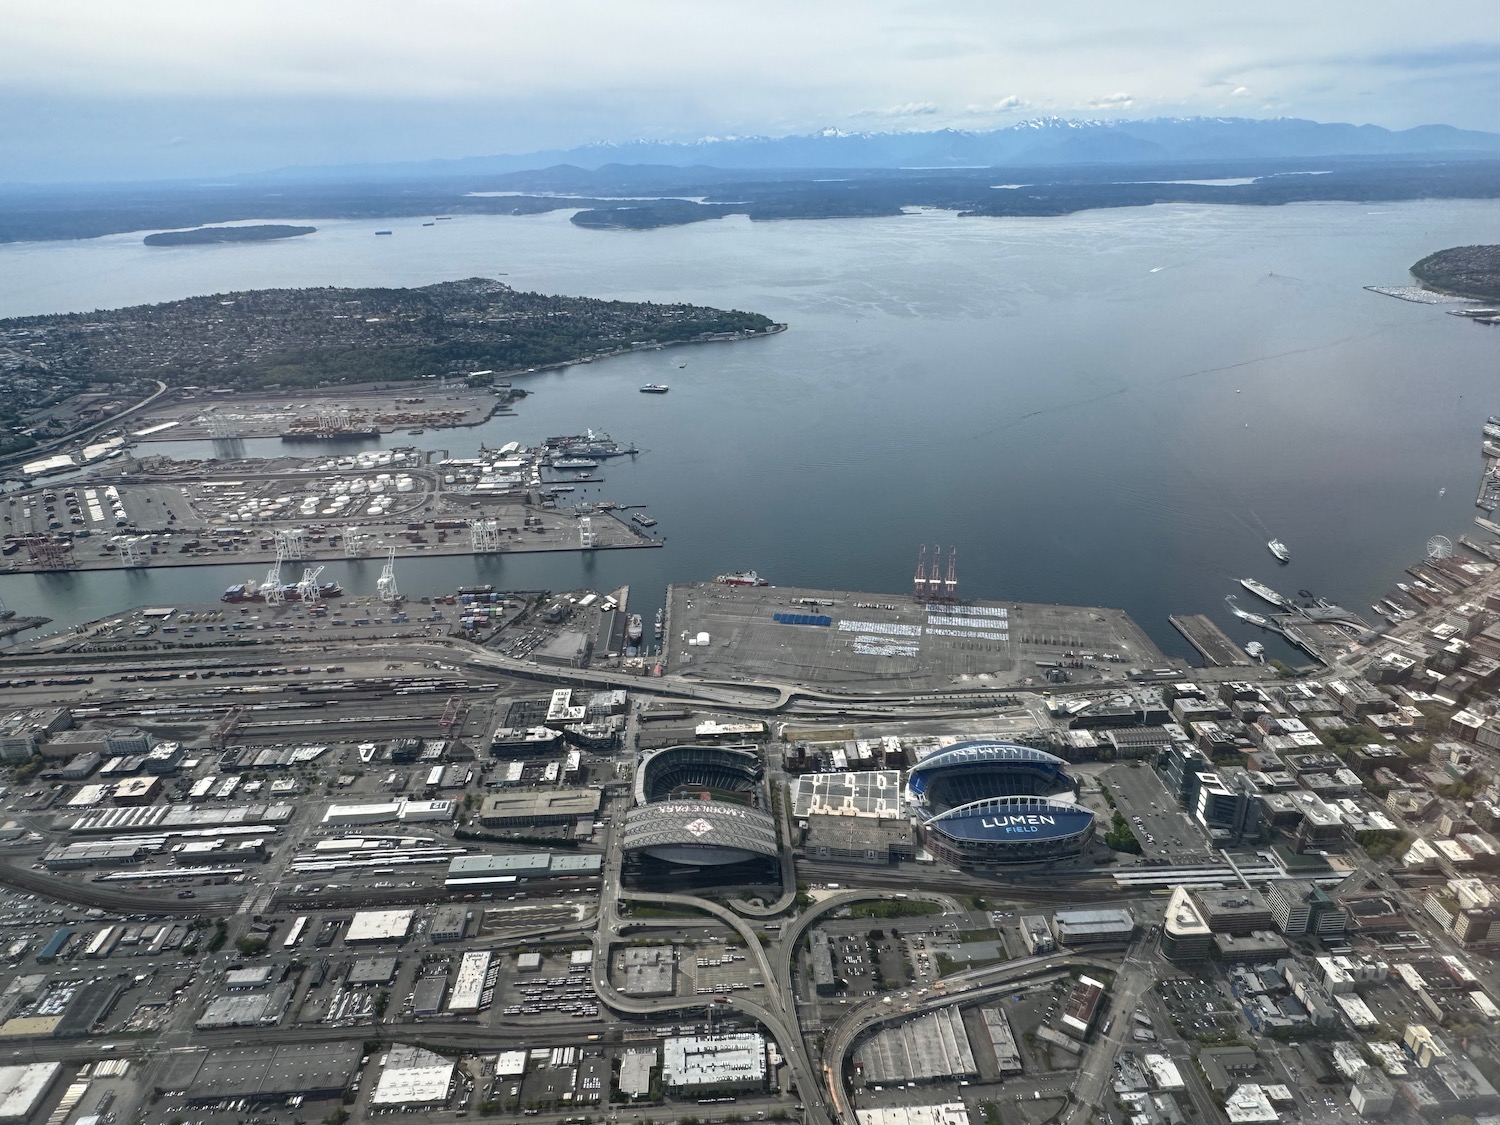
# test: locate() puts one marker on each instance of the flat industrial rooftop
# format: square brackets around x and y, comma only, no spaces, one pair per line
[836,638]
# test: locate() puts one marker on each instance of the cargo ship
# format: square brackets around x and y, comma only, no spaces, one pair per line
[643,519]
[249,592]
[741,578]
[330,435]
[590,443]
[1265,593]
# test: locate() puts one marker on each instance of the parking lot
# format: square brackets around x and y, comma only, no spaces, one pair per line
[1164,830]
[1200,1011]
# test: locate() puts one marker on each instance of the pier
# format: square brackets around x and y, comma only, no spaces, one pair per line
[1212,643]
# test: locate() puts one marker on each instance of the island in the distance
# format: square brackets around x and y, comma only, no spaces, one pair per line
[200,236]
[1464,271]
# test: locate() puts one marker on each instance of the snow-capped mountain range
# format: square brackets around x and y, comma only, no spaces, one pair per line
[1047,141]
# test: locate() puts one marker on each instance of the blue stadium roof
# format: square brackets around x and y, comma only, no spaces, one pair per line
[969,754]
[1013,818]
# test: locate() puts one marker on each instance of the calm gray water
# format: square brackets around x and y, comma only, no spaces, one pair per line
[1113,408]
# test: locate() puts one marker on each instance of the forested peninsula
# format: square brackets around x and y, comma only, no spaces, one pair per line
[1464,271]
[315,337]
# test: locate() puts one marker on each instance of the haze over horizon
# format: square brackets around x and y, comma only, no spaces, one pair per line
[96,91]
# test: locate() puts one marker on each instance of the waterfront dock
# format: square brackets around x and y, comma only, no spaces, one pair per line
[846,641]
[1212,643]
[160,512]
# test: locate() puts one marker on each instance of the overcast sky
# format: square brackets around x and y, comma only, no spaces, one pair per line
[109,89]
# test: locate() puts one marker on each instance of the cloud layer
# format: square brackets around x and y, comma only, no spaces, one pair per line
[96,89]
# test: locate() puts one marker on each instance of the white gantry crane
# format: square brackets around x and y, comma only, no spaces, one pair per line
[356,542]
[485,536]
[130,552]
[586,533]
[271,589]
[385,585]
[291,543]
[307,588]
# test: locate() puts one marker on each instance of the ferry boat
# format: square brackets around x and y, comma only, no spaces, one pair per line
[1255,649]
[574,463]
[1265,593]
[1246,615]
[1278,548]
[655,389]
[635,629]
[741,578]
[249,592]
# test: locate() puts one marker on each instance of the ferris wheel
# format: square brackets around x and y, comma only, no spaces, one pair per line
[1439,547]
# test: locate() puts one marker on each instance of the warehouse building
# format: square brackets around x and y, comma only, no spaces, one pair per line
[257,1009]
[413,1078]
[469,987]
[137,791]
[636,1065]
[382,812]
[24,1088]
[372,971]
[261,1074]
[648,970]
[379,925]
[699,1065]
[449,923]
[1002,1041]
[477,871]
[825,981]
[930,1048]
[427,996]
[538,809]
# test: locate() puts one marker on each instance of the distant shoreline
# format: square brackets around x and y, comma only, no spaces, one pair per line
[204,236]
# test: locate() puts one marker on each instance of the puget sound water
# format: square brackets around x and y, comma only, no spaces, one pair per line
[1112,408]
